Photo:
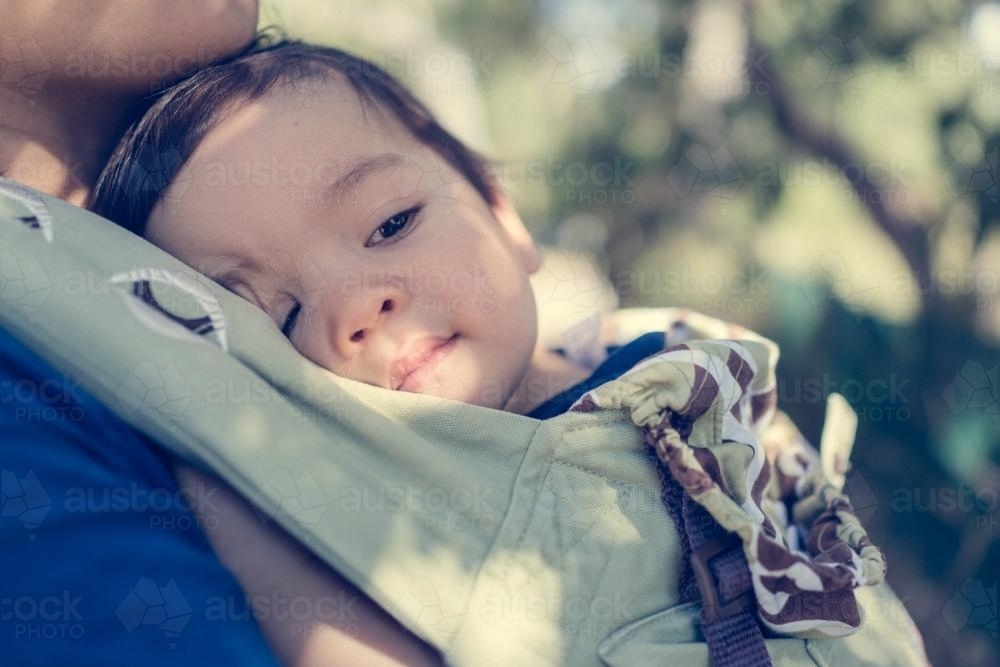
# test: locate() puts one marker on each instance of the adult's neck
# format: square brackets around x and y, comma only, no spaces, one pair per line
[57,144]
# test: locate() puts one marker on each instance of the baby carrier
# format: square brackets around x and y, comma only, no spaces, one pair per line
[673,516]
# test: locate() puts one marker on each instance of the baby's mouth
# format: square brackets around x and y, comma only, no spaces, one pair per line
[419,360]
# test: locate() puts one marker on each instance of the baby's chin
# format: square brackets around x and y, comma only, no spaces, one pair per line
[449,383]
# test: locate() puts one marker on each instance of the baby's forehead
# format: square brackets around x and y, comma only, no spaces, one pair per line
[295,141]
[331,105]
[297,137]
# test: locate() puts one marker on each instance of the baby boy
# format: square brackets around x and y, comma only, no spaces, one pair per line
[313,184]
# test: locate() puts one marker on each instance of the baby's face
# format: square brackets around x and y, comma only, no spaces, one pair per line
[377,259]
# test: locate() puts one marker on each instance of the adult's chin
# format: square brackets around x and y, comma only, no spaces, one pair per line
[123,47]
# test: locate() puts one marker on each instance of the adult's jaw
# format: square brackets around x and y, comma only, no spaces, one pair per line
[87,65]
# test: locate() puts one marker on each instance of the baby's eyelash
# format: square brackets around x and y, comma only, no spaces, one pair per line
[397,223]
[290,320]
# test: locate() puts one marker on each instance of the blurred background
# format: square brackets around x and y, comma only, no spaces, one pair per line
[824,172]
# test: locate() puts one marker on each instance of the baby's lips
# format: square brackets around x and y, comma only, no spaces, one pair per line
[414,358]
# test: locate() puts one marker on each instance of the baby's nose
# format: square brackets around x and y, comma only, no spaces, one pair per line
[358,335]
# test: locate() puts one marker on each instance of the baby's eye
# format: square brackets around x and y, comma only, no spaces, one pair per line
[293,316]
[393,226]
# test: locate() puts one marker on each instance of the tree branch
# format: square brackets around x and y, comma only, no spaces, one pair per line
[908,234]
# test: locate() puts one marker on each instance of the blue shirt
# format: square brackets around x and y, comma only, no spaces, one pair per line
[620,359]
[102,561]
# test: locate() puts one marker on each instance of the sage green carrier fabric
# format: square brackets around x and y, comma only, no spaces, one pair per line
[499,539]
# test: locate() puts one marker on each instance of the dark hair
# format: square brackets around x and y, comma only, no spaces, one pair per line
[153,150]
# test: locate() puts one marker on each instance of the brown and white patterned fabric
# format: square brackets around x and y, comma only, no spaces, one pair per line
[708,405]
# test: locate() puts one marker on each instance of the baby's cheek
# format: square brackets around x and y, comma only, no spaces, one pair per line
[467,377]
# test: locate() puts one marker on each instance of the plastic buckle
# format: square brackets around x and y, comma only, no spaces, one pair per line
[713,607]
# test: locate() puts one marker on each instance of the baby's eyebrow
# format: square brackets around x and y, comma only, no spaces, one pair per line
[358,172]
[233,275]
[236,276]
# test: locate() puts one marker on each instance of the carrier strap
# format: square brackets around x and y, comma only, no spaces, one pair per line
[716,572]
[709,412]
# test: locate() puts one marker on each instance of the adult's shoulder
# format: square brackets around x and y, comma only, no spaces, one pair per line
[100,550]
